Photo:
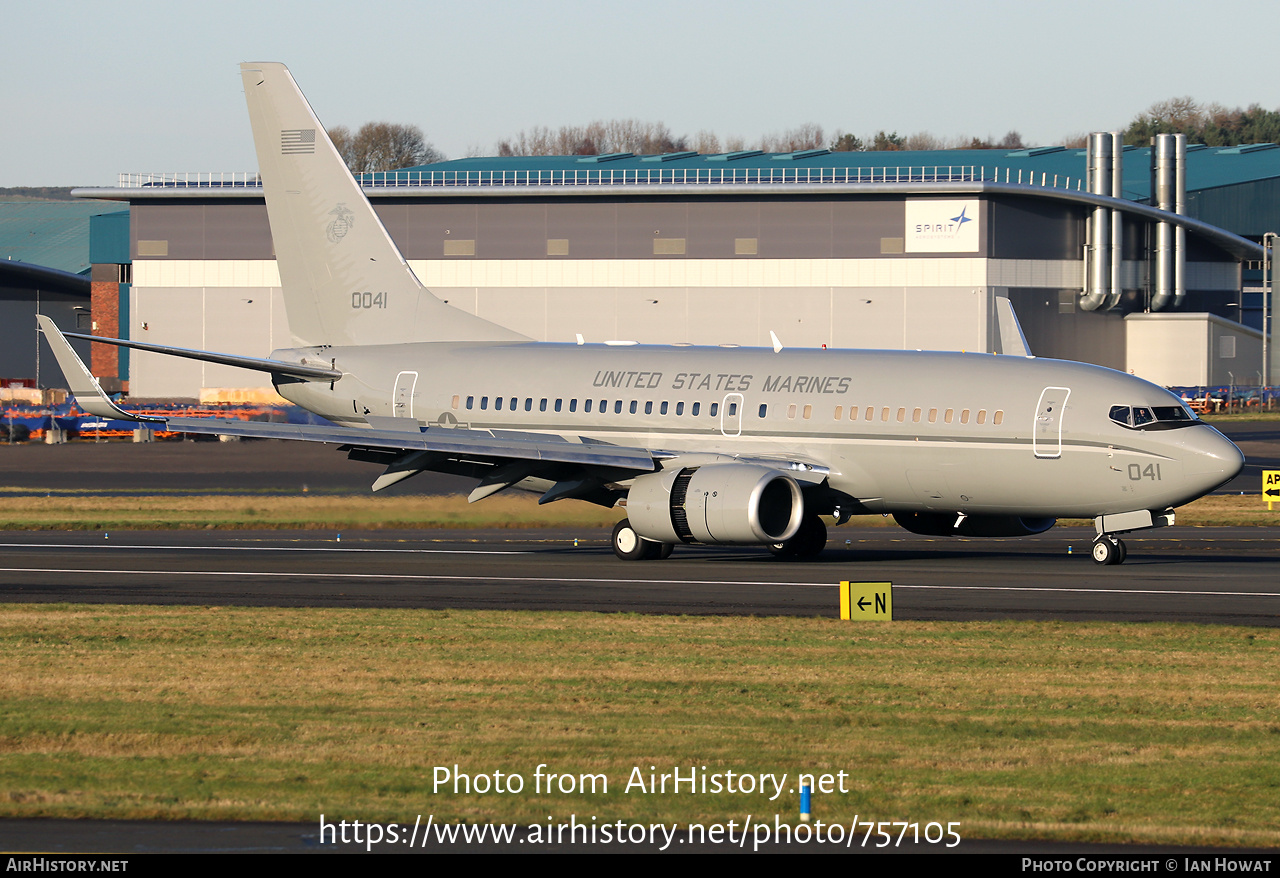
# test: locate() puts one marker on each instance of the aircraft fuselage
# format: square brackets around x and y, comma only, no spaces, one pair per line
[899,431]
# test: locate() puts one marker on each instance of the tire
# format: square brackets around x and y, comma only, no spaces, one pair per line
[627,544]
[630,546]
[812,537]
[1108,550]
[808,542]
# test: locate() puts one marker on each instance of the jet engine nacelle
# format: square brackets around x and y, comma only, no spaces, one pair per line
[943,524]
[732,503]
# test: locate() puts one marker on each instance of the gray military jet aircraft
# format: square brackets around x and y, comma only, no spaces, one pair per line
[704,446]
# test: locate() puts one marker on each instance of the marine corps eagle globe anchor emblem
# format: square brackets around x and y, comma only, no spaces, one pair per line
[343,220]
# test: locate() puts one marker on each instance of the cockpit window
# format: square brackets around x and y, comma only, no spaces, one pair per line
[1147,417]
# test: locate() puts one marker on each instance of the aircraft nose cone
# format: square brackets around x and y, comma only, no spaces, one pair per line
[1215,459]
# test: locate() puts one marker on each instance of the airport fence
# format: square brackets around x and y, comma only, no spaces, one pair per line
[22,423]
[1230,398]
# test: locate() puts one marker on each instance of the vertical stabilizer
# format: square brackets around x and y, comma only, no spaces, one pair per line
[344,280]
[1012,341]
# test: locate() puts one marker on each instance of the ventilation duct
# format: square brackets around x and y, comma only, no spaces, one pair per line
[1097,290]
[1180,208]
[1170,193]
[1117,228]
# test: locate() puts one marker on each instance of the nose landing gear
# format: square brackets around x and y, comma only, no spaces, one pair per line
[1108,549]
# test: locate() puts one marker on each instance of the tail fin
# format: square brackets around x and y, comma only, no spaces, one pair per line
[344,280]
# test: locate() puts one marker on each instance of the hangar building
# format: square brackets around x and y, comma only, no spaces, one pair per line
[45,258]
[1097,250]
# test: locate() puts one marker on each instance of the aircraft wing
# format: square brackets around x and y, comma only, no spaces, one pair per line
[447,440]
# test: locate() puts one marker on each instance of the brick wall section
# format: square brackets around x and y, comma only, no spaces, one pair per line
[105,304]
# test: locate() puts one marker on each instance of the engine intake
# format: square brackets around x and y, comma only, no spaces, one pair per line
[719,504]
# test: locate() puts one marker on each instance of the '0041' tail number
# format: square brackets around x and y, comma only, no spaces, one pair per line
[369,300]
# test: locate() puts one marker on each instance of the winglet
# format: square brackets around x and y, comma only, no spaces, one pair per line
[84,387]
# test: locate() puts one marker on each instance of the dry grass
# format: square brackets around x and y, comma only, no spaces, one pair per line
[1156,733]
[296,512]
[372,512]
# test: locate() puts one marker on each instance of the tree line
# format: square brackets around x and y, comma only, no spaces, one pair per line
[381,146]
[1211,124]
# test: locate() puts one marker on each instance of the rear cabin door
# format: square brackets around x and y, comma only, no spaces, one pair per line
[402,397]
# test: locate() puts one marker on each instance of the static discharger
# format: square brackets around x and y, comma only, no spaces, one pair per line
[866,601]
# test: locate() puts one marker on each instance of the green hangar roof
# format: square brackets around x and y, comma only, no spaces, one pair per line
[52,234]
[1234,188]
[1207,167]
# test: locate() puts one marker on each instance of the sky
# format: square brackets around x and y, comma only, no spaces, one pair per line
[90,89]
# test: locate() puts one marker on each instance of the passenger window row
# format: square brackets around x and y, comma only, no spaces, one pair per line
[885,414]
[589,406]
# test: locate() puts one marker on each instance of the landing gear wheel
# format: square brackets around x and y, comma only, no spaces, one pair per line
[808,542]
[627,544]
[630,546]
[1109,550]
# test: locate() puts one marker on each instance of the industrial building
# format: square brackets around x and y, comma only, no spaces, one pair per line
[1112,255]
[45,262]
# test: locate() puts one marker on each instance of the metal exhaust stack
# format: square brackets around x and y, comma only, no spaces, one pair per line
[1117,229]
[1098,263]
[1180,208]
[1164,197]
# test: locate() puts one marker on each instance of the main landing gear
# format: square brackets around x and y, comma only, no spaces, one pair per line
[630,546]
[808,542]
[1108,549]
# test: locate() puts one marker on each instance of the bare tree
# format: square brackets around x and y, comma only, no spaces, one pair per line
[342,142]
[1012,140]
[706,142]
[806,136]
[923,140]
[595,138]
[383,146]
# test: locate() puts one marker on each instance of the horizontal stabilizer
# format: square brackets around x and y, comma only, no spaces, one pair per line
[306,371]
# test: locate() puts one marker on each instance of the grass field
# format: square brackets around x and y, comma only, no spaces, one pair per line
[81,510]
[1150,733]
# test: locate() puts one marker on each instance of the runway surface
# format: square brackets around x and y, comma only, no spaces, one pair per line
[1207,575]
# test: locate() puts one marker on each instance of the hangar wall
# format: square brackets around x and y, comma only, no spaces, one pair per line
[1194,350]
[838,270]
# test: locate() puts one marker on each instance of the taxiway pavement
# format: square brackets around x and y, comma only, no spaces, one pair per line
[1213,575]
